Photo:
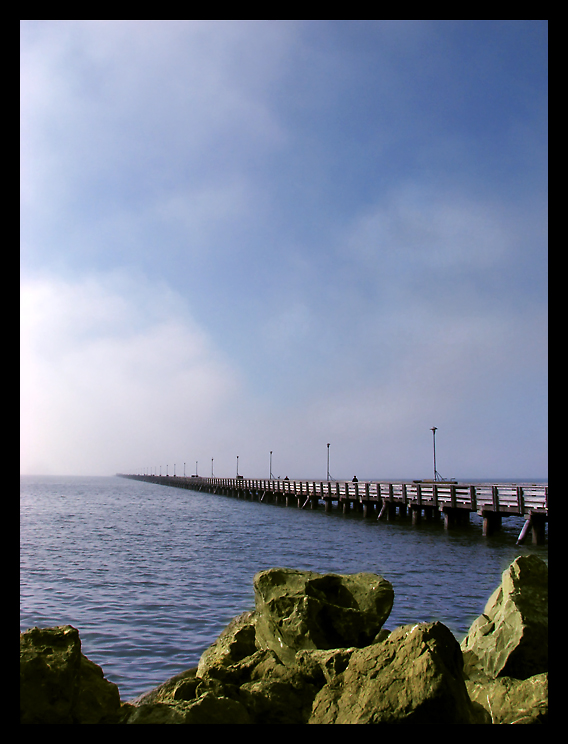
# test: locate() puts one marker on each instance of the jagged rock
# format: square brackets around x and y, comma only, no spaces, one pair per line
[208,708]
[305,610]
[322,666]
[154,713]
[414,676]
[263,689]
[278,694]
[236,642]
[509,700]
[270,691]
[60,685]
[510,638]
[180,687]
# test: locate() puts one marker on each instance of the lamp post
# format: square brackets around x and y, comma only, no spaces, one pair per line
[237,466]
[433,430]
[211,467]
[328,473]
[270,476]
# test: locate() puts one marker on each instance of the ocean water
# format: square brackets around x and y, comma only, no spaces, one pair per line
[150,575]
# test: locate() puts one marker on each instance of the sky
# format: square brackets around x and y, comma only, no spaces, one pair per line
[244,237]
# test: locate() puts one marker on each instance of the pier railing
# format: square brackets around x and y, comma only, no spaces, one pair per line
[428,499]
[504,498]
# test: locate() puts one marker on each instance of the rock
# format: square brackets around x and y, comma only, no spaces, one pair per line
[510,638]
[278,694]
[509,700]
[60,685]
[208,708]
[305,610]
[180,687]
[154,713]
[262,688]
[323,666]
[235,643]
[414,676]
[270,691]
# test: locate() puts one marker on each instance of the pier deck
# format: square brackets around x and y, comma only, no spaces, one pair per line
[453,502]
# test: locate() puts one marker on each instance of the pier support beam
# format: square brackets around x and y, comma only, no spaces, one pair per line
[416,512]
[454,517]
[388,511]
[538,522]
[491,523]
[431,513]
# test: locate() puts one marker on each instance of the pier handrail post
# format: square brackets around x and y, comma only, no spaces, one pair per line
[520,500]
[495,497]
[473,498]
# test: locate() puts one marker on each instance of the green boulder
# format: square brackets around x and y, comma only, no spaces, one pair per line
[510,638]
[306,610]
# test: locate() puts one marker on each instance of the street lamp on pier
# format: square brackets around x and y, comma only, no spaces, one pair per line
[437,476]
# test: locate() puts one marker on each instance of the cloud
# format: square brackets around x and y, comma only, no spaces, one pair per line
[113,372]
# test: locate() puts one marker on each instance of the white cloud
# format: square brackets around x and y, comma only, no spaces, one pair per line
[112,372]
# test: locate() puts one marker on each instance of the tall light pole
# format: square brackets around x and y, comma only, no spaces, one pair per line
[184,470]
[237,466]
[433,430]
[270,476]
[196,463]
[328,473]
[211,467]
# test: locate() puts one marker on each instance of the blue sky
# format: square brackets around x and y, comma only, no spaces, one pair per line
[244,236]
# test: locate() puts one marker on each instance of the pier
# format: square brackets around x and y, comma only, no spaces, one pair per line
[415,500]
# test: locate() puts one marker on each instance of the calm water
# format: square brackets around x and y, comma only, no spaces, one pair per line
[150,575]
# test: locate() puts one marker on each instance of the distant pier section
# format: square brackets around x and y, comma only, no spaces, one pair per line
[416,500]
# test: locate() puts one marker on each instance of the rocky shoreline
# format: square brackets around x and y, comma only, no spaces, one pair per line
[315,650]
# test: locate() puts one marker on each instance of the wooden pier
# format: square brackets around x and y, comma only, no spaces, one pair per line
[416,500]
